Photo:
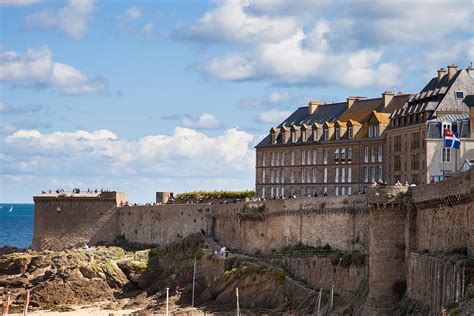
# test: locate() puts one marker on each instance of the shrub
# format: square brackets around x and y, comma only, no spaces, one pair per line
[216,195]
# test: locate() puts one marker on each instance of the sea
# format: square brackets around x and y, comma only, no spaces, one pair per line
[16,224]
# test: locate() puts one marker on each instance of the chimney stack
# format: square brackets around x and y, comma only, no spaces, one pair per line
[351,100]
[387,96]
[452,69]
[470,71]
[441,73]
[312,106]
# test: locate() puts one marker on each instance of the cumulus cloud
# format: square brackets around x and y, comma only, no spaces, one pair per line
[72,19]
[272,100]
[37,68]
[350,46]
[18,3]
[6,108]
[203,121]
[185,153]
[133,13]
[273,116]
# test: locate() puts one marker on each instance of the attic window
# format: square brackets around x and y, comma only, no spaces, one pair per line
[459,94]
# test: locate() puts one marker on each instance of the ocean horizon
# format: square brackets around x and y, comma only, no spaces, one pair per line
[16,224]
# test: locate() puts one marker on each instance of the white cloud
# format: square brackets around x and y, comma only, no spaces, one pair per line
[292,62]
[18,3]
[133,13]
[203,121]
[358,44]
[6,108]
[277,98]
[273,116]
[179,157]
[148,28]
[36,68]
[72,19]
[229,22]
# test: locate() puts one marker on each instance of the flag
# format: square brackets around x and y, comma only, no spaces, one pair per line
[451,139]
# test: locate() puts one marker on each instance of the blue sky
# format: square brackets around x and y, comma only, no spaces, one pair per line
[145,96]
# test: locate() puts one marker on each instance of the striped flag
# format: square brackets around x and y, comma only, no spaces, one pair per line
[451,139]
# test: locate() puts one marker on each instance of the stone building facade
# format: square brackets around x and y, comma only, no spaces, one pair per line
[341,148]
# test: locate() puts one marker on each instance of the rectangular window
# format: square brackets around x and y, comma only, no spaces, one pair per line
[272,193]
[374,155]
[263,192]
[263,176]
[336,177]
[380,173]
[282,176]
[292,176]
[349,155]
[459,94]
[272,176]
[343,190]
[372,173]
[302,176]
[349,132]
[337,191]
[343,155]
[371,131]
[349,190]
[277,176]
[277,191]
[337,133]
[278,158]
[314,175]
[308,157]
[343,175]
[445,126]
[366,174]
[336,155]
[282,191]
[325,190]
[283,158]
[263,159]
[293,157]
[302,191]
[380,154]
[314,157]
[349,175]
[446,155]
[325,134]
[325,175]
[292,190]
[272,163]
[308,175]
[325,156]
[303,159]
[366,154]
[376,131]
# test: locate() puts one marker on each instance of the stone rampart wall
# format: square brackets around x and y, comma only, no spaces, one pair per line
[340,222]
[161,224]
[64,222]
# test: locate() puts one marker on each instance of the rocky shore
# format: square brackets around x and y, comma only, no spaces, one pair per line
[129,280]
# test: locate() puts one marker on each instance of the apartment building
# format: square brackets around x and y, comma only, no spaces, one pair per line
[415,144]
[333,149]
[340,148]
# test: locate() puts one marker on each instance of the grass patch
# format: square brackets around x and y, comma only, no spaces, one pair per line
[207,195]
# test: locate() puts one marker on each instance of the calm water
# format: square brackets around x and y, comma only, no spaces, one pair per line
[16,227]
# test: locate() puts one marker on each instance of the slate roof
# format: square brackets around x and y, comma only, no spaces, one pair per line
[323,113]
[429,97]
[435,125]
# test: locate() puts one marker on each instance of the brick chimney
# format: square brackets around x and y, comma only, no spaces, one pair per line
[350,101]
[387,96]
[452,69]
[470,71]
[312,106]
[441,73]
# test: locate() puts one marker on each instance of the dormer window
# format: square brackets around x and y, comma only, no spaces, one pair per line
[373,131]
[293,136]
[338,131]
[459,94]
[325,133]
[349,132]
[303,135]
[446,126]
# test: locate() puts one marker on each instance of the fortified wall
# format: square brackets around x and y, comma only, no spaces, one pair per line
[408,233]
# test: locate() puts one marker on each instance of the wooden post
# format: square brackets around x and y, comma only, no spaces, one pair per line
[167,300]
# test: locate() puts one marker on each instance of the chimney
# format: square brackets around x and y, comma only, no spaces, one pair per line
[441,73]
[452,69]
[312,106]
[470,71]
[351,100]
[387,96]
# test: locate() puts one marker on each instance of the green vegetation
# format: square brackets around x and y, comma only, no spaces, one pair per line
[348,258]
[298,250]
[207,195]
[241,268]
